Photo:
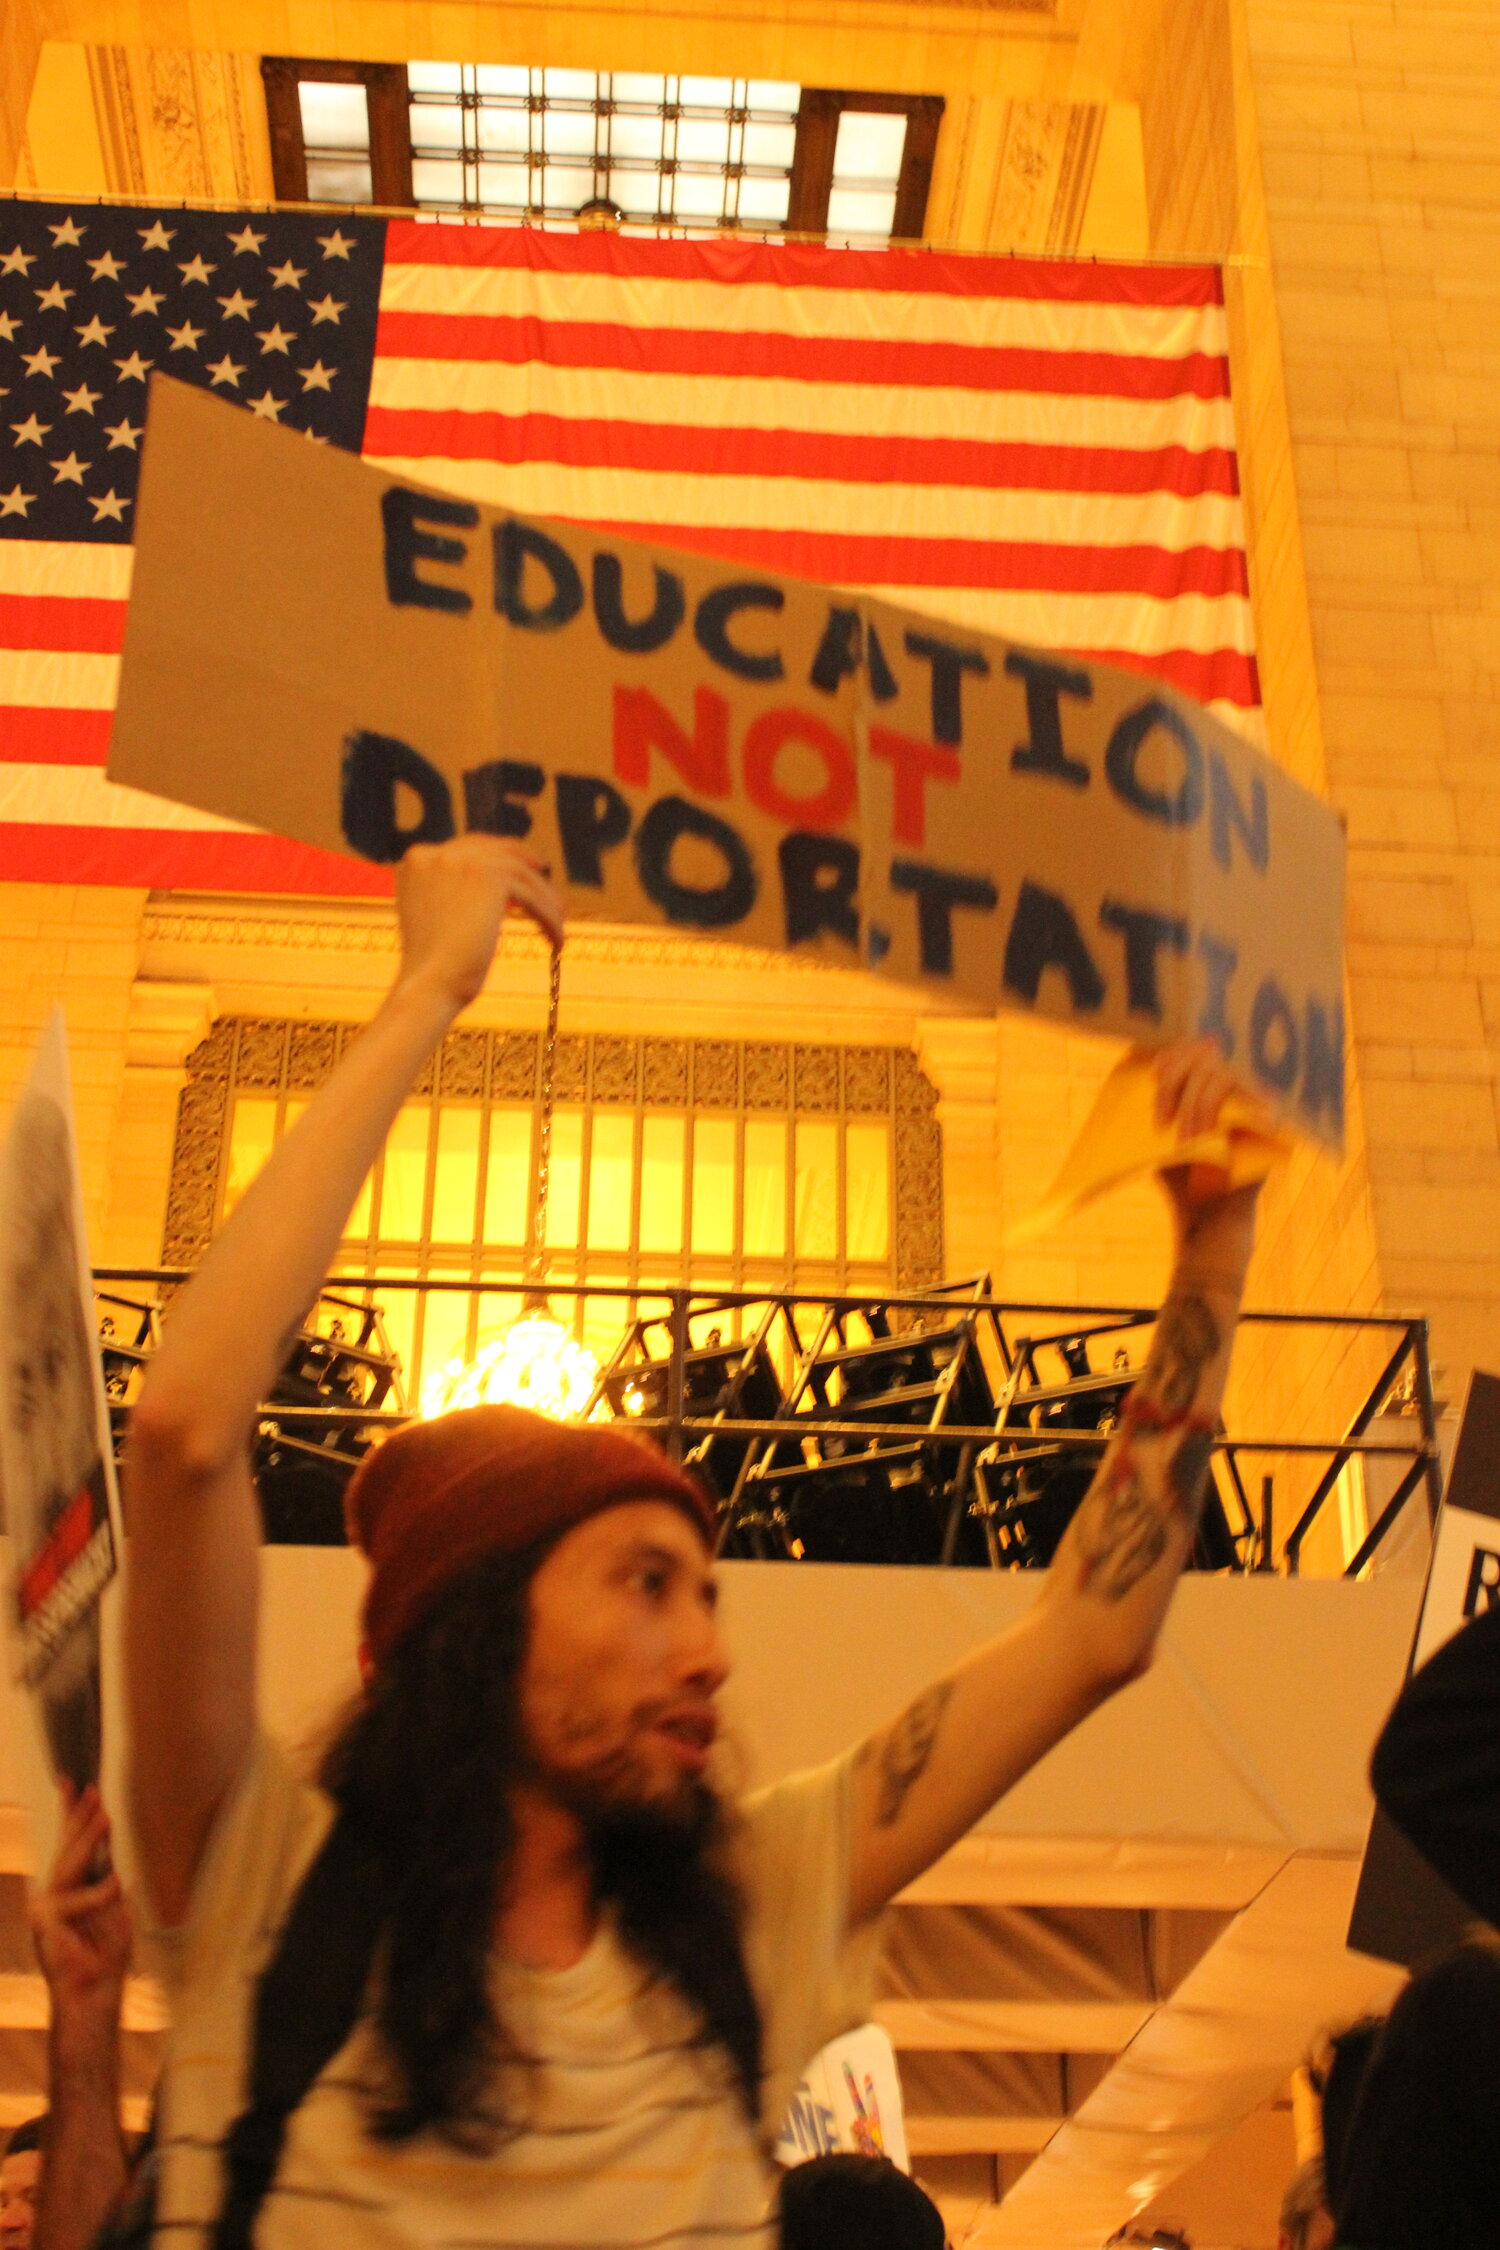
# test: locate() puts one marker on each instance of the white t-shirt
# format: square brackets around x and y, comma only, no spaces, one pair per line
[632,2136]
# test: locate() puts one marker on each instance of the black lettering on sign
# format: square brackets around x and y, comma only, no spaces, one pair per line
[711,629]
[516,543]
[949,664]
[1483,1589]
[490,794]
[1226,813]
[882,679]
[937,890]
[1174,808]
[375,766]
[1046,684]
[636,636]
[1219,963]
[838,651]
[400,513]
[1045,935]
[1145,933]
[1323,1063]
[819,877]
[725,902]
[1275,1047]
[592,817]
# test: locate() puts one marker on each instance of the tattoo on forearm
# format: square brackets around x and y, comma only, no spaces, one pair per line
[1187,1337]
[1124,1522]
[1124,1536]
[906,1750]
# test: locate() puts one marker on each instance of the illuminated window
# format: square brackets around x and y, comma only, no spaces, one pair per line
[636,148]
[742,1164]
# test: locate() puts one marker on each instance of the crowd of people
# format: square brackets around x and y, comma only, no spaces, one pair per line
[515,1971]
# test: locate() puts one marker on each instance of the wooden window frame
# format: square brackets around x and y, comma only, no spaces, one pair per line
[817,135]
[390,130]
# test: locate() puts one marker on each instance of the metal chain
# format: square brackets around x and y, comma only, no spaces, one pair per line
[538,1271]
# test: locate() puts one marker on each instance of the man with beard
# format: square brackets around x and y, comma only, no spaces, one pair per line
[566,1991]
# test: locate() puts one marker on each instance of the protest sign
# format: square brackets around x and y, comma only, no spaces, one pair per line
[323,648]
[56,1456]
[848,2101]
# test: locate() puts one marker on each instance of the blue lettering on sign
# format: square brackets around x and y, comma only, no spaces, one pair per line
[809,2126]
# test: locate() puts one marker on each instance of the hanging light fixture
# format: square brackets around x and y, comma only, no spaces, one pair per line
[532,1361]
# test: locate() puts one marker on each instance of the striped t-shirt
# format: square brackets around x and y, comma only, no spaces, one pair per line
[630,2133]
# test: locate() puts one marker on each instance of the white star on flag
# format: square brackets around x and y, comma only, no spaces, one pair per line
[83,400]
[324,308]
[275,338]
[8,327]
[133,369]
[156,236]
[246,240]
[65,232]
[94,331]
[226,371]
[185,338]
[127,434]
[111,508]
[288,276]
[69,471]
[267,406]
[15,502]
[317,377]
[106,268]
[54,299]
[31,431]
[145,301]
[237,307]
[17,261]
[336,245]
[194,269]
[40,362]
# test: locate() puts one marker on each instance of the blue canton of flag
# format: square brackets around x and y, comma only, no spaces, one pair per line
[275,310]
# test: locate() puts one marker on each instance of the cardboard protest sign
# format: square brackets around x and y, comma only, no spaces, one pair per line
[317,646]
[56,1457]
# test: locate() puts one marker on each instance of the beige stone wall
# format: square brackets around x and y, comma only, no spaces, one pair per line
[1378,127]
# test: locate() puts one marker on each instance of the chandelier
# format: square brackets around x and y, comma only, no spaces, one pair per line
[532,1361]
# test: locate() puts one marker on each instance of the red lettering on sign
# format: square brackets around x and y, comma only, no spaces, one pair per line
[764,742]
[642,724]
[913,764]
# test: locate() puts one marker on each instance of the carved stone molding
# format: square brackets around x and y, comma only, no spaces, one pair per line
[166,1022]
[371,931]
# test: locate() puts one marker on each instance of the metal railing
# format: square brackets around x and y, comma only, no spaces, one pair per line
[680,1372]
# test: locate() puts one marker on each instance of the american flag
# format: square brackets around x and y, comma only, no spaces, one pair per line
[1040,449]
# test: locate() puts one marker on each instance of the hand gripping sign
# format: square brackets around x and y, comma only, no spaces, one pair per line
[321,648]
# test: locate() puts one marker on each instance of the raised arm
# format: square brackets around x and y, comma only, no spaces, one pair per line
[189,1501]
[923,1782]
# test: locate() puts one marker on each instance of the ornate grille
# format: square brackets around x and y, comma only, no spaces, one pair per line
[743,1164]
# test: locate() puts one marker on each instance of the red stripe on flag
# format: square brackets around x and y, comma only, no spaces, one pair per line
[62,621]
[416,433]
[805,265]
[169,859]
[859,559]
[53,735]
[518,339]
[1216,675]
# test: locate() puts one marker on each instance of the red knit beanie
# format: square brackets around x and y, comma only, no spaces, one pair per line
[440,1496]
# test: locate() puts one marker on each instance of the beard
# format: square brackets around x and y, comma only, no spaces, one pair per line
[616,1805]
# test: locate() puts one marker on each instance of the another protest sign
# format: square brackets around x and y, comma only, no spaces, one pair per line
[358,662]
[849,2101]
[56,1456]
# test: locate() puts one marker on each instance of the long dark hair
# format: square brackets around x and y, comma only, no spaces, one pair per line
[421,1774]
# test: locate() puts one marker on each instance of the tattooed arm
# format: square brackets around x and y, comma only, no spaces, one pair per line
[924,1781]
